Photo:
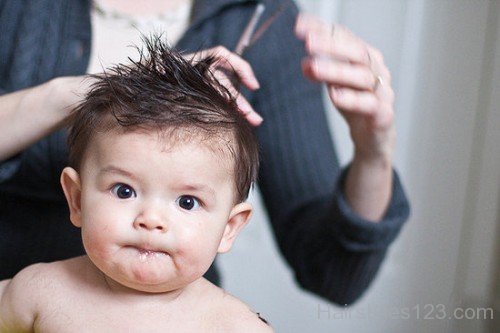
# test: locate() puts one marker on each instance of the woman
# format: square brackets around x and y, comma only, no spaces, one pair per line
[332,225]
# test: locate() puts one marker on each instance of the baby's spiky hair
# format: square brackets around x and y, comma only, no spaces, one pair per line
[167,93]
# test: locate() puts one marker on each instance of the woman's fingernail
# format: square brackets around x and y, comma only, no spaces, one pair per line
[255,118]
[251,82]
[254,83]
[315,65]
[299,26]
[310,42]
[312,39]
[257,84]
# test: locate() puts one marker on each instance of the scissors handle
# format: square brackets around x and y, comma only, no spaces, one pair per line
[246,36]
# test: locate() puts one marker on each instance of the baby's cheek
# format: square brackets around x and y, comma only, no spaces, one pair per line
[192,269]
[97,241]
[195,257]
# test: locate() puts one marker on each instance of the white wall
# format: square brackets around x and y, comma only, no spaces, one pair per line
[445,60]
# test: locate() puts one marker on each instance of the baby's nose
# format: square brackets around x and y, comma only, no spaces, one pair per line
[151,221]
[149,225]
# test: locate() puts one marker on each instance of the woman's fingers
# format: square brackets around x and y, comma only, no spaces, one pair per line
[231,62]
[377,105]
[377,65]
[345,63]
[353,101]
[357,79]
[225,65]
[243,106]
[336,41]
[306,24]
[338,73]
[338,57]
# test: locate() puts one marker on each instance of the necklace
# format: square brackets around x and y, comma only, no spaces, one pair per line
[172,16]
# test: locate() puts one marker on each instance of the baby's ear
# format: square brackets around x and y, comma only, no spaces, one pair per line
[70,181]
[239,217]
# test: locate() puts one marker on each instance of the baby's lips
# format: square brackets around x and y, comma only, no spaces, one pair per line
[147,248]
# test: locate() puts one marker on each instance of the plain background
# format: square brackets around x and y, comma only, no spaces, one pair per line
[445,59]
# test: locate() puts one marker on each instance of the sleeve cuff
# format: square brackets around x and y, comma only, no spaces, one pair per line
[358,234]
[9,167]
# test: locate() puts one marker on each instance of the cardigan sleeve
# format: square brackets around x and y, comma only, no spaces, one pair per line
[332,251]
[9,167]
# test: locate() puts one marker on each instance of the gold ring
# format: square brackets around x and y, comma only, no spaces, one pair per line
[378,82]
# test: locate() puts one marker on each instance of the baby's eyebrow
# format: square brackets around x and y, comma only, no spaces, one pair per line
[197,188]
[114,169]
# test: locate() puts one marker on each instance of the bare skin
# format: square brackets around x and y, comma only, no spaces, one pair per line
[74,296]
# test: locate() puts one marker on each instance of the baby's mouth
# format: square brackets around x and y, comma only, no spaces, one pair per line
[146,253]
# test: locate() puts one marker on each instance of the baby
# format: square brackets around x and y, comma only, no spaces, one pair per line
[161,164]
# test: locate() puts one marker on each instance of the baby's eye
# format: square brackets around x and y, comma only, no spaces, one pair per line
[123,191]
[188,202]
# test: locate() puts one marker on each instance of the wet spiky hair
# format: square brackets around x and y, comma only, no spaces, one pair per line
[165,92]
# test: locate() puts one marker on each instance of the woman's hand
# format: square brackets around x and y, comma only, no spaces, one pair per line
[228,62]
[359,85]
[358,82]
[28,115]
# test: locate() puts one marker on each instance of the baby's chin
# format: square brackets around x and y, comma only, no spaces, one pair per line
[146,271]
[142,279]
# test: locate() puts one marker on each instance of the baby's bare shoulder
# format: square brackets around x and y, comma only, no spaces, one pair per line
[31,279]
[24,297]
[229,314]
[45,278]
[21,297]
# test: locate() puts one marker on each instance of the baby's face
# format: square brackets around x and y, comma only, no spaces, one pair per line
[153,216]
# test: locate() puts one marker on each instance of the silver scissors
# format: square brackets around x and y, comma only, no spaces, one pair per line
[250,35]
